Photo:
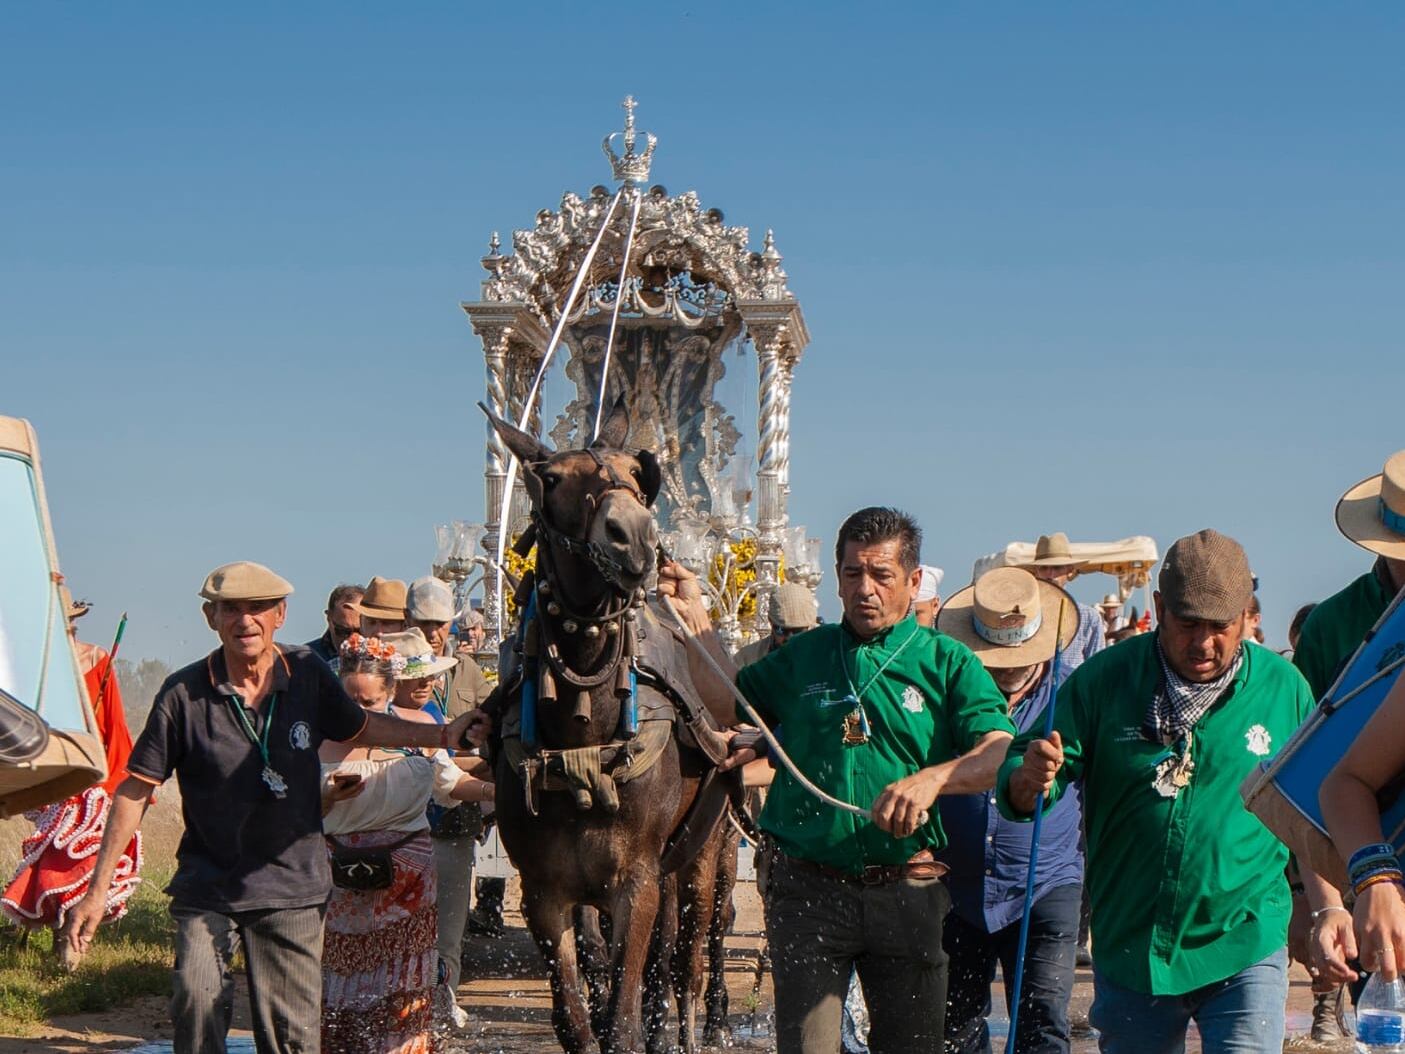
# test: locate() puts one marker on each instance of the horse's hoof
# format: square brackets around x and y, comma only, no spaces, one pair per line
[717,1038]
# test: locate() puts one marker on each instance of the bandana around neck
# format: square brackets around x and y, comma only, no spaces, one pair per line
[1179,703]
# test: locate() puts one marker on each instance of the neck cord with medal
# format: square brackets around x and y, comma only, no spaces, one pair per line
[270,776]
[856,727]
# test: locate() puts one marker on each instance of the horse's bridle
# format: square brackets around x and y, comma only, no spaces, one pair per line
[610,569]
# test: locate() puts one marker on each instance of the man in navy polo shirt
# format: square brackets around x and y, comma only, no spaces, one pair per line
[240,729]
[1017,627]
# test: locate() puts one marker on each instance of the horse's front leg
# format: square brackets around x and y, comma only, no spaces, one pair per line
[695,909]
[594,954]
[549,919]
[636,905]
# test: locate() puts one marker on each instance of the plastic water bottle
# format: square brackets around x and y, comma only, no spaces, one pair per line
[1380,1017]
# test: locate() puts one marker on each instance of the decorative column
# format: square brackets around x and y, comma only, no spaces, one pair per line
[506,329]
[777,331]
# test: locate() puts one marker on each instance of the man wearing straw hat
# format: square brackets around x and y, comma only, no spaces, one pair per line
[1372,515]
[383,607]
[240,730]
[1017,626]
[881,713]
[1190,902]
[1054,562]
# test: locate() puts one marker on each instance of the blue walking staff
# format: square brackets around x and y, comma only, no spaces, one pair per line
[1034,845]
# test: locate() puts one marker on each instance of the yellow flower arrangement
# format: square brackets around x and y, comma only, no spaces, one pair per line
[516,566]
[732,578]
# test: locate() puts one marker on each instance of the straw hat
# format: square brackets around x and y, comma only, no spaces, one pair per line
[1372,513]
[1110,601]
[420,660]
[1009,618]
[245,580]
[384,598]
[1052,551]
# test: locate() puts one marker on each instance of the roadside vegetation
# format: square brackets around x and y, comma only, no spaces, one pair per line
[129,959]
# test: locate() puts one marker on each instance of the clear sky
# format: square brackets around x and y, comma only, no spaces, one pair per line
[1107,268]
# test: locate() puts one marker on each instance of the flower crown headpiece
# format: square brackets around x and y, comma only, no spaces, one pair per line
[359,647]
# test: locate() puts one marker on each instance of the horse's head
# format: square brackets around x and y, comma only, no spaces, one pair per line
[593,508]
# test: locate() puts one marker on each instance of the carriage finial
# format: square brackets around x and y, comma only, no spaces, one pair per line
[629,167]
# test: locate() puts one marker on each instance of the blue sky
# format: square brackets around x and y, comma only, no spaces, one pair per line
[1111,269]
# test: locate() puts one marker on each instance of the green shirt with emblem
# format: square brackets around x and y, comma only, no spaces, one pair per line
[1190,889]
[1337,626]
[926,698]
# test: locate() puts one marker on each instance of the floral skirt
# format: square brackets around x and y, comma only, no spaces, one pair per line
[379,963]
[57,860]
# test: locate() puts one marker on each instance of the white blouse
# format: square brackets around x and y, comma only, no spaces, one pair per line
[395,795]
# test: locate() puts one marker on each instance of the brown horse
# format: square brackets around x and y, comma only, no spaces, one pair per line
[586,804]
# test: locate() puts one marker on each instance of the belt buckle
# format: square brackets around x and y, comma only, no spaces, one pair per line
[874,875]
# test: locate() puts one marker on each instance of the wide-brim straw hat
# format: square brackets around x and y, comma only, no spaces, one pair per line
[385,598]
[420,659]
[1010,618]
[1052,550]
[1372,513]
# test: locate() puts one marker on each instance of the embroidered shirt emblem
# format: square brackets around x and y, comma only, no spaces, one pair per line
[1258,741]
[912,699]
[300,735]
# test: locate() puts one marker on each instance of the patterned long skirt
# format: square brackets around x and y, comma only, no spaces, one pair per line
[379,963]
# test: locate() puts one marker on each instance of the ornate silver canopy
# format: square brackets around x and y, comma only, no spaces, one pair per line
[692,288]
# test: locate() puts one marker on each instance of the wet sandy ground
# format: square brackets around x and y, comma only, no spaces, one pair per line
[505,993]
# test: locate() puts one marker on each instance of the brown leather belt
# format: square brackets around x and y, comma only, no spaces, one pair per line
[921,864]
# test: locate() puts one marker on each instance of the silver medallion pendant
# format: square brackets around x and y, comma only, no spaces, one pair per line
[275,782]
[1172,774]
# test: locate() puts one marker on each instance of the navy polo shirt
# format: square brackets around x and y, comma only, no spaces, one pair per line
[989,855]
[245,849]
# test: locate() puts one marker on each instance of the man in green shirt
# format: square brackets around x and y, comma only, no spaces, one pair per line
[888,715]
[1190,902]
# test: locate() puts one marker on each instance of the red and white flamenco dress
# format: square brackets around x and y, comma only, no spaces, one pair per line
[57,860]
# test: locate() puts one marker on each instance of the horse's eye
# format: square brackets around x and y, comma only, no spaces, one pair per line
[638,477]
[551,479]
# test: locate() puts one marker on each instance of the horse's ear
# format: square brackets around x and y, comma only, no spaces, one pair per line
[528,449]
[615,430]
[650,476]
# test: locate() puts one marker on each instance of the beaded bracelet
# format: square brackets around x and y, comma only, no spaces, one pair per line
[1375,880]
[1362,873]
[1376,850]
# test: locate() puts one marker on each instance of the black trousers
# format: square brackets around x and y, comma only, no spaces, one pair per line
[1045,989]
[822,928]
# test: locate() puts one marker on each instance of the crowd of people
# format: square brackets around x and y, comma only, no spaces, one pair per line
[332,794]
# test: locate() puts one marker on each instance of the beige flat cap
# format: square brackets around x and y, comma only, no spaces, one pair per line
[245,580]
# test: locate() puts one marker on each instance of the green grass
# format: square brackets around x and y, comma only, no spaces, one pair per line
[128,960]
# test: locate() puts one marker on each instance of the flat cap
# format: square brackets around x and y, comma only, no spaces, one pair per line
[244,580]
[795,607]
[1206,577]
[429,600]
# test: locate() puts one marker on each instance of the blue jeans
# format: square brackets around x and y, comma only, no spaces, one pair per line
[1243,1014]
[1045,988]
